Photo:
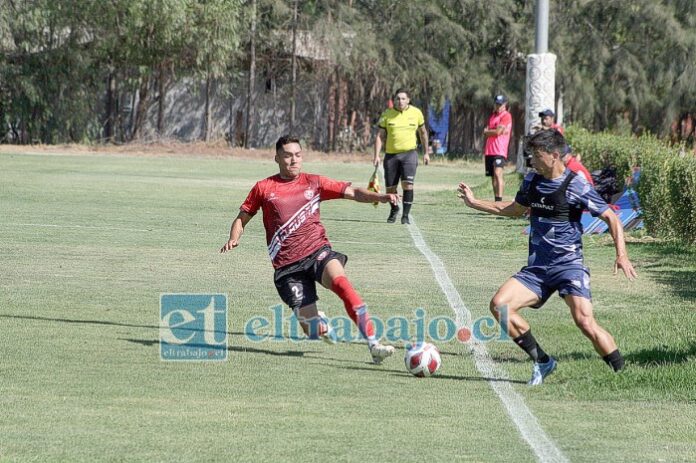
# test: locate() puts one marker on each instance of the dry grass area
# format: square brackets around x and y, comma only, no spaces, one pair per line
[174,148]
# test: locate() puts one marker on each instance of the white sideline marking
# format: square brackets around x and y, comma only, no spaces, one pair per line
[90,227]
[526,422]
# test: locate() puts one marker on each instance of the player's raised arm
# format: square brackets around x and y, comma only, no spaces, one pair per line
[616,231]
[363,195]
[236,231]
[504,208]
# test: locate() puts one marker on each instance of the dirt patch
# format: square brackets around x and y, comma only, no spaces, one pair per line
[174,148]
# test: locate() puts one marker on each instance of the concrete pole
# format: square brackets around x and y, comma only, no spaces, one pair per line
[541,11]
[541,76]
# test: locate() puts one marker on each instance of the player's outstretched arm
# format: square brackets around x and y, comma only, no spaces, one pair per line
[363,195]
[504,208]
[617,233]
[236,231]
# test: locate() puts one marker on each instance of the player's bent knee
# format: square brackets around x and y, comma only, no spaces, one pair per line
[497,302]
[587,325]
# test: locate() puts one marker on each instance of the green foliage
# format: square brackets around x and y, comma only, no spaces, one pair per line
[623,68]
[214,38]
[667,186]
[59,55]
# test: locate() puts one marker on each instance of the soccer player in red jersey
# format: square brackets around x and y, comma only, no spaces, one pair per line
[299,249]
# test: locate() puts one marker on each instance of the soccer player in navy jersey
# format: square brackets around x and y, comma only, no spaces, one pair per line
[556,198]
[297,244]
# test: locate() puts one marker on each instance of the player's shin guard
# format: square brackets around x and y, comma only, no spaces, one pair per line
[314,327]
[355,307]
[408,202]
[528,343]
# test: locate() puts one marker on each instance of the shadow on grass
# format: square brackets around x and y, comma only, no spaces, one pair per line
[134,325]
[568,356]
[88,322]
[268,338]
[671,264]
[240,349]
[656,356]
[662,355]
[402,373]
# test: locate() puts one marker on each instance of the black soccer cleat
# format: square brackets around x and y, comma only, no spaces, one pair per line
[404,220]
[392,215]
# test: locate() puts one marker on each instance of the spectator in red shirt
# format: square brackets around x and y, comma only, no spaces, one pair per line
[497,135]
[297,244]
[574,164]
[548,121]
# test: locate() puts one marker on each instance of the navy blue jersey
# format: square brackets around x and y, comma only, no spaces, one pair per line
[552,241]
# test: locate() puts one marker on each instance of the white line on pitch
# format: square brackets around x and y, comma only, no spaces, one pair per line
[524,419]
[93,227]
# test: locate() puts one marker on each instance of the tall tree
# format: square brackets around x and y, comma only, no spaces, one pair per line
[293,83]
[214,39]
[252,76]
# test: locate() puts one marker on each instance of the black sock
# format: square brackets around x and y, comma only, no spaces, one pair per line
[394,207]
[498,198]
[614,360]
[408,201]
[528,344]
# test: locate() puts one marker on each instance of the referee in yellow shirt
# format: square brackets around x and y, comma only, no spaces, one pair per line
[399,126]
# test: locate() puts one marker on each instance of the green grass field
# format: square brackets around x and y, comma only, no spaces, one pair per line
[90,242]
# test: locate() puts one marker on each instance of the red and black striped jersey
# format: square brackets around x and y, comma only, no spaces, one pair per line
[291,214]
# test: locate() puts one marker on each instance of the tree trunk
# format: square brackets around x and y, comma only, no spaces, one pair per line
[206,113]
[337,109]
[161,96]
[252,71]
[111,105]
[293,85]
[141,108]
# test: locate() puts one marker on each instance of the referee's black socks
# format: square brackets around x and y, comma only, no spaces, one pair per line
[408,201]
[615,360]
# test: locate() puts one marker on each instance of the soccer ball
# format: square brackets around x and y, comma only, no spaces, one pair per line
[422,359]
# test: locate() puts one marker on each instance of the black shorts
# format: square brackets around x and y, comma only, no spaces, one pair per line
[493,162]
[297,283]
[400,166]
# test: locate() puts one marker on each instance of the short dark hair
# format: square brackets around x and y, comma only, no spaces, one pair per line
[284,140]
[401,90]
[550,141]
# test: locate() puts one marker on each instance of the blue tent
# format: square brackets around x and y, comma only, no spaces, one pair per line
[438,124]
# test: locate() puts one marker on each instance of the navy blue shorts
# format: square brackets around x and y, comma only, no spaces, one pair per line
[571,280]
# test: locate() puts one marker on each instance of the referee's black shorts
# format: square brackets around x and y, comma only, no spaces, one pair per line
[400,166]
